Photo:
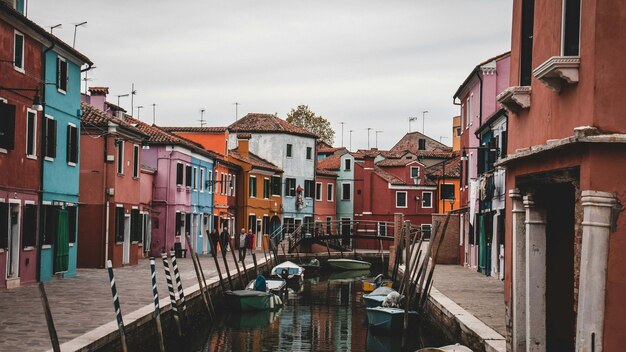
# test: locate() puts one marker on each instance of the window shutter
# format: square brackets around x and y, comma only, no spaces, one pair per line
[72,224]
[4,225]
[30,222]
[74,144]
[58,73]
[7,126]
[69,144]
[51,138]
[30,133]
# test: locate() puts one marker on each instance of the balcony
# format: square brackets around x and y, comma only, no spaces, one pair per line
[558,71]
[515,99]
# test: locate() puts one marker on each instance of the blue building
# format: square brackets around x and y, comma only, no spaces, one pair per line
[61,169]
[201,203]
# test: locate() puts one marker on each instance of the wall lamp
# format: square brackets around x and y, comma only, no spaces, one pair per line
[37,104]
[491,149]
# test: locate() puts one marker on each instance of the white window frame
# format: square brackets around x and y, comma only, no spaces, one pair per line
[17,68]
[418,172]
[430,228]
[563,8]
[67,75]
[222,184]
[120,159]
[406,199]
[287,150]
[136,167]
[34,155]
[319,199]
[182,181]
[250,188]
[347,164]
[269,189]
[194,178]
[331,187]
[309,151]
[202,183]
[71,163]
[2,150]
[431,200]
[48,158]
[381,224]
[350,188]
[231,185]
[209,176]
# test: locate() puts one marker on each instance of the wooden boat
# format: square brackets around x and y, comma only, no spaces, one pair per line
[291,272]
[376,297]
[389,319]
[274,285]
[349,264]
[370,284]
[450,348]
[250,300]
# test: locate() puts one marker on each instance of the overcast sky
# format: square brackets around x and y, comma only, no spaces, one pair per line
[366,63]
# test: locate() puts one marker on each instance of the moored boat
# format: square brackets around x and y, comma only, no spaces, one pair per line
[274,285]
[389,319]
[349,264]
[291,272]
[311,267]
[450,348]
[376,297]
[370,284]
[348,275]
[250,300]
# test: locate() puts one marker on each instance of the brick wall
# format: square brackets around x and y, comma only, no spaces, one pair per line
[449,251]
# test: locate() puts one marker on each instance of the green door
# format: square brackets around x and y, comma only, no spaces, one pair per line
[482,244]
[62,245]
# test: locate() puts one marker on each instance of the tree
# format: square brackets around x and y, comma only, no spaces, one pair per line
[304,118]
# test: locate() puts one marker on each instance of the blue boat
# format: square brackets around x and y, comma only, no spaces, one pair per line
[389,319]
[376,297]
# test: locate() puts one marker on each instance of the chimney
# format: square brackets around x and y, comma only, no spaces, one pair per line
[243,143]
[369,161]
[98,97]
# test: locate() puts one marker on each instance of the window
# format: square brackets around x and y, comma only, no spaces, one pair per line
[179,174]
[347,164]
[31,133]
[223,184]
[72,213]
[120,157]
[179,223]
[202,184]
[427,199]
[276,183]
[329,224]
[318,191]
[7,127]
[330,192]
[29,235]
[526,48]
[209,181]
[251,222]
[421,144]
[61,75]
[346,191]
[426,229]
[252,186]
[135,225]
[188,176]
[72,144]
[309,153]
[18,51]
[447,192]
[231,182]
[382,229]
[51,221]
[194,180]
[51,138]
[503,142]
[457,131]
[401,199]
[415,172]
[309,188]
[289,150]
[468,115]
[119,224]
[290,187]
[571,27]
[266,188]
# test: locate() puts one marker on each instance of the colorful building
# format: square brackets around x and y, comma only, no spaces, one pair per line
[325,201]
[291,149]
[112,222]
[565,177]
[477,100]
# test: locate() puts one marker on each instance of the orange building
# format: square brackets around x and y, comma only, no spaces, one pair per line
[447,176]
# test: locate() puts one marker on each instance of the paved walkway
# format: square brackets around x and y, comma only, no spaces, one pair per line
[478,294]
[83,303]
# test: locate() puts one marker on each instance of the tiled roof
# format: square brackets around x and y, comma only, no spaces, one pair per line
[453,169]
[331,150]
[114,107]
[267,123]
[195,129]
[388,177]
[324,172]
[98,118]
[393,153]
[394,162]
[331,162]
[99,90]
[254,160]
[410,142]
[369,152]
[357,155]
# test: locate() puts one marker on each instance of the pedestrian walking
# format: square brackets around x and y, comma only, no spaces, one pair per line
[250,241]
[224,239]
[215,239]
[242,245]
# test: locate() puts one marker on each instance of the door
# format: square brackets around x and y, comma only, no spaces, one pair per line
[62,242]
[346,229]
[126,246]
[194,231]
[206,229]
[258,233]
[13,255]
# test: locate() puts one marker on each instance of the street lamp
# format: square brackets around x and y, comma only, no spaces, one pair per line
[37,104]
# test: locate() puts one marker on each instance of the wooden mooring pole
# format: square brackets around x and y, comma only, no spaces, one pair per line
[230,280]
[172,294]
[232,247]
[157,309]
[256,270]
[118,309]
[54,339]
[201,283]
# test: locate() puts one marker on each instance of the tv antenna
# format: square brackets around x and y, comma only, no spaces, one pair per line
[411,119]
[60,26]
[154,114]
[76,25]
[202,123]
[236,110]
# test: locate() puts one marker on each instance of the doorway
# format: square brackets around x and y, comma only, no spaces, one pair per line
[13,255]
[346,229]
[126,246]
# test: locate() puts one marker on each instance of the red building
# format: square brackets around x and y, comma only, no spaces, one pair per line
[111,225]
[325,204]
[566,177]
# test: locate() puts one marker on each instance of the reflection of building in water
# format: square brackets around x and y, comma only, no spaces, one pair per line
[295,328]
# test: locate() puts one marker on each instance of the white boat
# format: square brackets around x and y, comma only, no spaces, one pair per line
[376,297]
[349,264]
[289,271]
[450,348]
[275,285]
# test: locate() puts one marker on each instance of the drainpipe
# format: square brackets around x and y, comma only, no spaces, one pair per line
[42,138]
[480,110]
[106,199]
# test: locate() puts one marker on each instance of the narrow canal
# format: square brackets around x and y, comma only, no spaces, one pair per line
[326,313]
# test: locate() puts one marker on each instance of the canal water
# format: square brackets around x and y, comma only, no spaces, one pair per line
[326,313]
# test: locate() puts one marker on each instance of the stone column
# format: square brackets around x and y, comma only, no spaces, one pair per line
[518,217]
[593,267]
[535,276]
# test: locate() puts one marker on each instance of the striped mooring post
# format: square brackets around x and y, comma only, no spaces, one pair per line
[170,288]
[116,305]
[179,284]
[157,309]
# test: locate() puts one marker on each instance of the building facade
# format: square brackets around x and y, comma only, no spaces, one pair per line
[325,201]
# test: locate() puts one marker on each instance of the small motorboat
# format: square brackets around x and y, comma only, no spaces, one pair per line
[291,272]
[274,285]
[348,275]
[251,300]
[389,319]
[311,267]
[349,264]
[376,297]
[370,284]
[450,348]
